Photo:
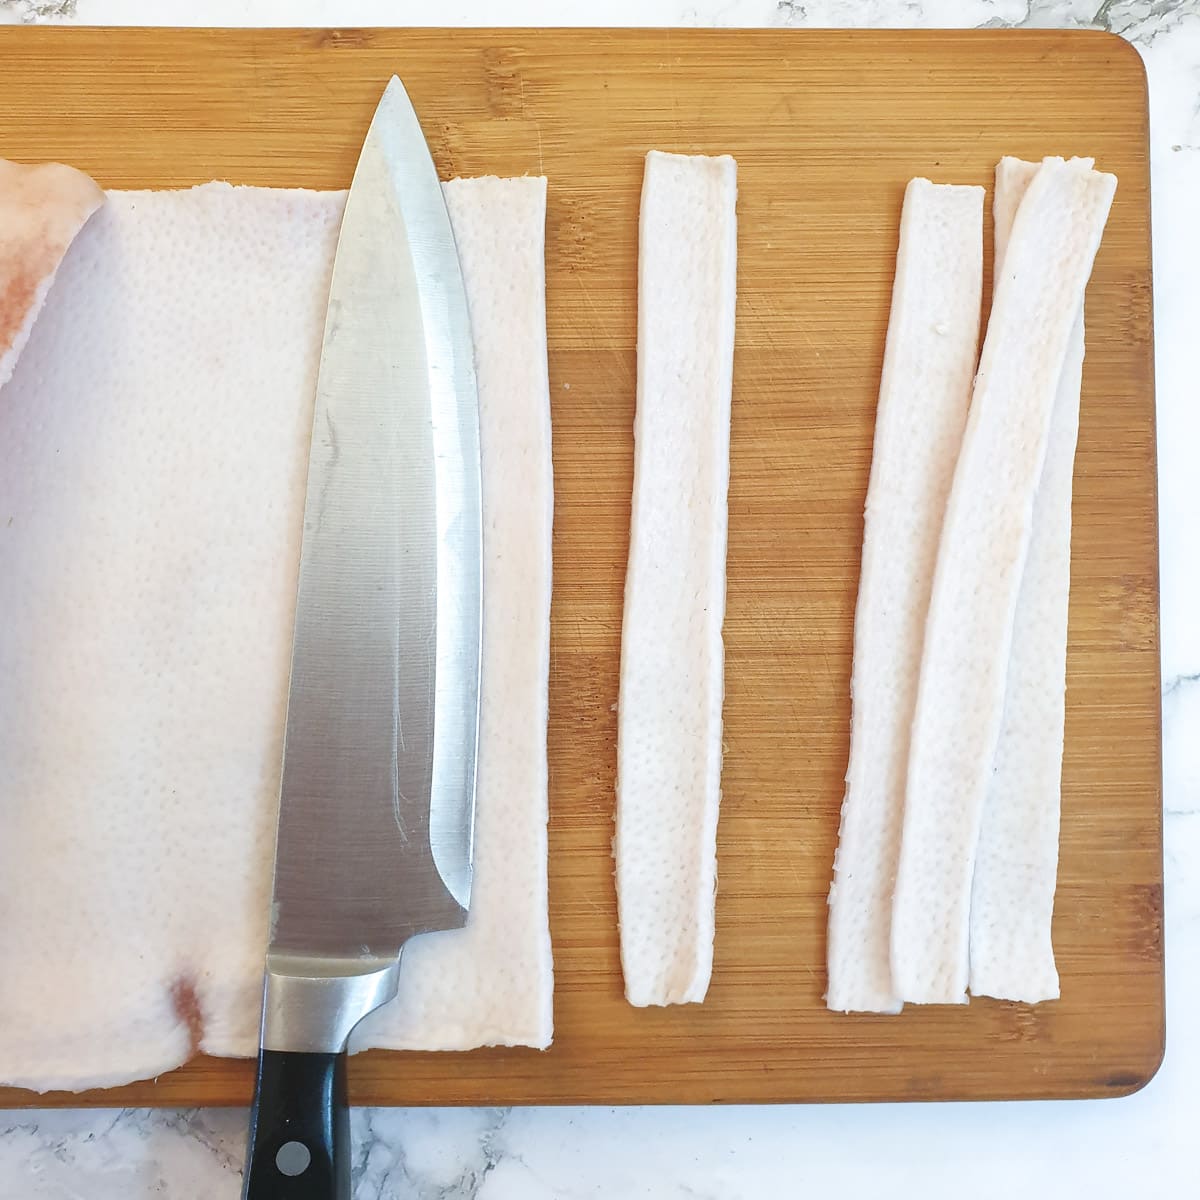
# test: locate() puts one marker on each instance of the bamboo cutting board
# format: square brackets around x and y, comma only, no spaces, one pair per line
[827,128]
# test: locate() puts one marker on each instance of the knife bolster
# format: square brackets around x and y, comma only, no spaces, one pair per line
[311,1004]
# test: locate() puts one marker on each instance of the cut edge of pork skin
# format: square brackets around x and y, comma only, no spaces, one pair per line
[492,982]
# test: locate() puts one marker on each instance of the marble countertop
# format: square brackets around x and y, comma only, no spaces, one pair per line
[1143,1145]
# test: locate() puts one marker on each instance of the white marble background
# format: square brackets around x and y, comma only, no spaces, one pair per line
[1143,1146]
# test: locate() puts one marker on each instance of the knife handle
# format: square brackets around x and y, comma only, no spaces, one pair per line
[299,1128]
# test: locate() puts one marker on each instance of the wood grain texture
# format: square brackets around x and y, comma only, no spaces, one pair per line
[827,128]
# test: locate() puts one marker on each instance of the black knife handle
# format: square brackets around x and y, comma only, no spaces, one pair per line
[299,1129]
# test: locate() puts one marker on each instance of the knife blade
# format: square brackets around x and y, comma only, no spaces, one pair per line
[376,811]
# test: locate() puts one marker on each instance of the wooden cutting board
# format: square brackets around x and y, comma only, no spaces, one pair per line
[827,128]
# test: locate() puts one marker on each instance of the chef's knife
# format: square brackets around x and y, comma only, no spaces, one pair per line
[376,806]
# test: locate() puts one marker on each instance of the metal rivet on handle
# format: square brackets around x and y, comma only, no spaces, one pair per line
[293,1158]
